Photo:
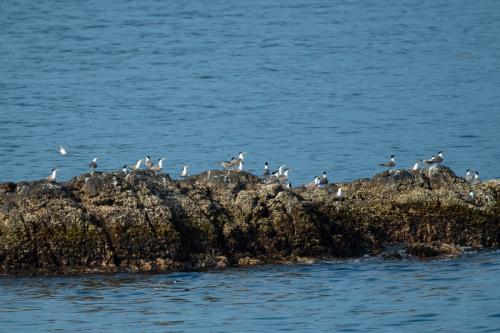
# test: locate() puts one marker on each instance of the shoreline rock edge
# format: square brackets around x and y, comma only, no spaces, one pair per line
[147,222]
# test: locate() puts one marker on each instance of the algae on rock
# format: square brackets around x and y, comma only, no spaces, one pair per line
[147,222]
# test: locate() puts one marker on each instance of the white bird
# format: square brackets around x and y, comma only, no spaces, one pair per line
[184,172]
[416,168]
[316,180]
[469,197]
[277,177]
[240,166]
[235,161]
[62,151]
[52,177]
[284,177]
[159,166]
[436,159]
[476,179]
[137,165]
[282,169]
[340,193]
[391,163]
[274,178]
[468,176]
[124,169]
[323,181]
[148,163]
[93,164]
[314,183]
[266,172]
[228,164]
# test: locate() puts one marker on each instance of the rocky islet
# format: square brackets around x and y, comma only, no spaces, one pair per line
[147,222]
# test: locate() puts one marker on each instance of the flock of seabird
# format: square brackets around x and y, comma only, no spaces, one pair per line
[433,161]
[279,176]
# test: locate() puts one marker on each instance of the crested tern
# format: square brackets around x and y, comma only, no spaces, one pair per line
[53,175]
[159,166]
[93,164]
[234,162]
[468,176]
[323,181]
[284,177]
[391,163]
[137,165]
[435,159]
[184,172]
[266,172]
[416,168]
[476,179]
[147,162]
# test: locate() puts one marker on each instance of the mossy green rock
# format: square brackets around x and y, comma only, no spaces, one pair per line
[107,222]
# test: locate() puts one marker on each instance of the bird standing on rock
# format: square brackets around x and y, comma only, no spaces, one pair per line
[159,166]
[469,197]
[93,164]
[234,162]
[241,156]
[184,172]
[476,179]
[436,159]
[316,180]
[147,162]
[266,172]
[227,164]
[52,176]
[282,169]
[391,163]
[284,177]
[416,168]
[468,176]
[137,165]
[323,181]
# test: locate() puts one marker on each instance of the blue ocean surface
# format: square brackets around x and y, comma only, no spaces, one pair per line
[365,295]
[321,85]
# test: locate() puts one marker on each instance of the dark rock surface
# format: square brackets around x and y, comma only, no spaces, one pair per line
[108,222]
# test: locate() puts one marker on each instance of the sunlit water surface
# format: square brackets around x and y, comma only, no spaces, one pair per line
[459,295]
